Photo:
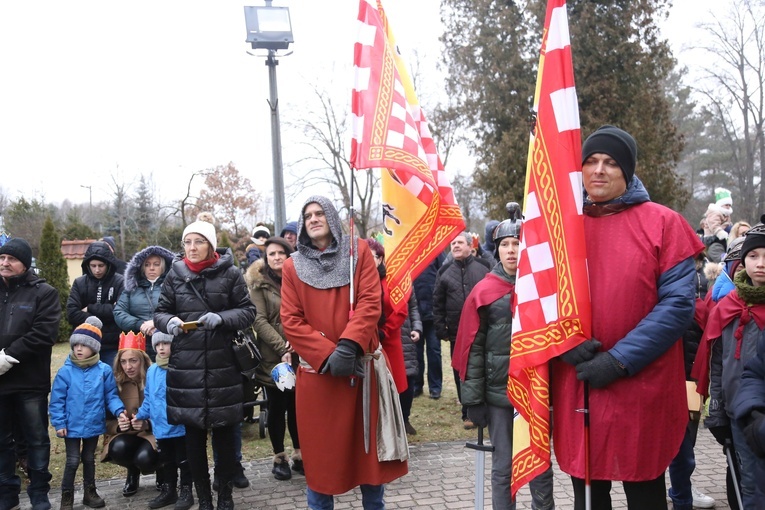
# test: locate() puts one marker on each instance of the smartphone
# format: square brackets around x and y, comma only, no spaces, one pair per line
[189,326]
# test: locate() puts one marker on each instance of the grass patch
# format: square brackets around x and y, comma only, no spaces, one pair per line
[435,420]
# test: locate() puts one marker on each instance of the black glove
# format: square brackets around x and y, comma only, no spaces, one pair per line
[582,352]
[600,371]
[210,320]
[478,414]
[345,360]
[751,433]
[722,433]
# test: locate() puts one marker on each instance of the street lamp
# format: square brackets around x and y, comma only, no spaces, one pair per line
[90,197]
[270,28]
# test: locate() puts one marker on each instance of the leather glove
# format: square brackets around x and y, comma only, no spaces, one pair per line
[6,362]
[174,326]
[210,320]
[751,433]
[721,434]
[600,371]
[345,360]
[478,414]
[582,352]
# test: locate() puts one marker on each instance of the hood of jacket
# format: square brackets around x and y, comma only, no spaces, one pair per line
[133,273]
[99,250]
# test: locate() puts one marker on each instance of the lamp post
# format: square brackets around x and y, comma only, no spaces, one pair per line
[270,28]
[90,198]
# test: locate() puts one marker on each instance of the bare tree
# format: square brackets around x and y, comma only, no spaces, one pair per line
[230,196]
[734,96]
[327,164]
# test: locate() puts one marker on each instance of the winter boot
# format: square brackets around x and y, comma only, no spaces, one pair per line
[132,482]
[281,469]
[240,481]
[159,478]
[297,462]
[91,498]
[167,496]
[225,497]
[185,498]
[204,495]
[67,500]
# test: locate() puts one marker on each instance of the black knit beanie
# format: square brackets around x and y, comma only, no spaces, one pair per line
[615,142]
[754,238]
[18,248]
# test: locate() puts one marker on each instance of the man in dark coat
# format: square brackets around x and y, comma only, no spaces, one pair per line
[454,282]
[423,289]
[95,293]
[29,314]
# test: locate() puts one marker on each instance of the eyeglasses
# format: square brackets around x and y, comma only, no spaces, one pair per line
[195,242]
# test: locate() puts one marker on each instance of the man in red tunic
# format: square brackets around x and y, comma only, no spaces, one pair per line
[640,259]
[331,340]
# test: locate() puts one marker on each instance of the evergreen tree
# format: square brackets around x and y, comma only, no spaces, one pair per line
[225,242]
[52,267]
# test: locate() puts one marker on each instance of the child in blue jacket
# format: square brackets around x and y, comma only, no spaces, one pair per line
[171,442]
[84,386]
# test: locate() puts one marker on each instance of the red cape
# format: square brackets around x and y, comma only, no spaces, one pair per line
[728,309]
[488,290]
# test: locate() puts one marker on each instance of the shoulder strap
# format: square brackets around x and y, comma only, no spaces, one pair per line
[191,284]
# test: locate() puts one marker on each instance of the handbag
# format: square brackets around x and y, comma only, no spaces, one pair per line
[246,353]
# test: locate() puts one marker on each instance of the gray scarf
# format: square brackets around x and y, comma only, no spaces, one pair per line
[329,268]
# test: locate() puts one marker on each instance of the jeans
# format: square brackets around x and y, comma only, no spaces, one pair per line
[432,344]
[640,495]
[73,456]
[501,433]
[32,409]
[371,498]
[747,462]
[237,439]
[681,468]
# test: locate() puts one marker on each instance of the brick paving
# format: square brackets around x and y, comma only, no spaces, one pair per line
[441,477]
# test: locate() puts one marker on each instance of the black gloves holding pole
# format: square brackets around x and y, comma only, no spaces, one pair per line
[345,360]
[597,368]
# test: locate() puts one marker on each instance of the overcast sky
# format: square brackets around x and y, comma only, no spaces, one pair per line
[93,90]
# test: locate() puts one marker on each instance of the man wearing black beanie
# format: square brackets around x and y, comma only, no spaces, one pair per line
[640,258]
[30,313]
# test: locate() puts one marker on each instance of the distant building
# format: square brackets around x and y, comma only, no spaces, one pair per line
[74,253]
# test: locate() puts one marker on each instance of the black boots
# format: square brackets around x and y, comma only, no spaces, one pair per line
[297,462]
[225,497]
[281,469]
[204,495]
[67,500]
[240,481]
[185,498]
[91,498]
[132,482]
[167,496]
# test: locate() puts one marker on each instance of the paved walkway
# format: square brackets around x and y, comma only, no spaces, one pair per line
[441,477]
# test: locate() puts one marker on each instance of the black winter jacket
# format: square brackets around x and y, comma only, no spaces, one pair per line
[99,296]
[204,387]
[423,288]
[412,323]
[29,315]
[454,282]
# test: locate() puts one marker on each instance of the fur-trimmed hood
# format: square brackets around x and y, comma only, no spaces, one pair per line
[712,270]
[254,276]
[133,273]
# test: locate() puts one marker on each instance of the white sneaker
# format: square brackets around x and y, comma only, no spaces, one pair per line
[701,500]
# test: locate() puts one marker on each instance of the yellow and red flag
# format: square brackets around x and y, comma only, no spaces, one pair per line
[390,132]
[552,312]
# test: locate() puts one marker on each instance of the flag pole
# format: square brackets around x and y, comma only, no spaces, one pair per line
[587,476]
[351,229]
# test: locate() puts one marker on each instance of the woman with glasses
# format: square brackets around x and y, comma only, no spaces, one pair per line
[204,301]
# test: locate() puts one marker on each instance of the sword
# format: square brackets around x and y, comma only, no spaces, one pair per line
[732,467]
[480,463]
[365,396]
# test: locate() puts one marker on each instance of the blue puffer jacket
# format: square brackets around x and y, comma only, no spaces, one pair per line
[154,405]
[139,299]
[79,398]
[751,391]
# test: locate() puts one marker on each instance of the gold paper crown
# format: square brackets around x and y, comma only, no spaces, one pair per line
[132,340]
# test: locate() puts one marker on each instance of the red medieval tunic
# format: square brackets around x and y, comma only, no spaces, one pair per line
[638,422]
[329,409]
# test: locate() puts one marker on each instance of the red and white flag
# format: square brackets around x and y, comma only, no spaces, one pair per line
[552,312]
[390,132]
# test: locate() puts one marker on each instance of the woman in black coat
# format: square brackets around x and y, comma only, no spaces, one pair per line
[204,387]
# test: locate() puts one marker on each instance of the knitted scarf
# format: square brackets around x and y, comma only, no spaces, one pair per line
[87,362]
[196,267]
[162,362]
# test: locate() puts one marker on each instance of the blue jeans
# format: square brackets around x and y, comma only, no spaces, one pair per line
[681,468]
[433,347]
[32,409]
[237,445]
[371,498]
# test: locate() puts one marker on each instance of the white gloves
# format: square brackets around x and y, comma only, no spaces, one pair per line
[6,362]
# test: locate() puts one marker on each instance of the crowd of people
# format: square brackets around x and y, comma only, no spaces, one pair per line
[152,370]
